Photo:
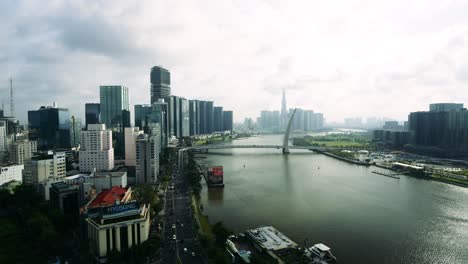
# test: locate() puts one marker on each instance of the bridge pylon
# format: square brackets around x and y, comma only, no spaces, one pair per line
[286,134]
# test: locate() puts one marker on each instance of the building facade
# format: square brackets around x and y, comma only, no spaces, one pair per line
[11,172]
[114,106]
[131,135]
[22,150]
[218,121]
[50,126]
[194,117]
[148,148]
[116,222]
[92,113]
[160,79]
[75,131]
[96,151]
[228,120]
[45,166]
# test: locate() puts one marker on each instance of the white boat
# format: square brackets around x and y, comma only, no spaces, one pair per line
[322,252]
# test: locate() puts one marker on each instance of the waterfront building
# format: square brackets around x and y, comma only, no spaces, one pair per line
[114,106]
[92,113]
[194,117]
[131,135]
[228,120]
[116,222]
[11,172]
[203,119]
[218,120]
[428,128]
[184,118]
[50,126]
[209,117]
[160,79]
[96,153]
[445,107]
[44,166]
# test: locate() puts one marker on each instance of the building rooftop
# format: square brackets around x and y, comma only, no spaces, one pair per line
[270,239]
[108,197]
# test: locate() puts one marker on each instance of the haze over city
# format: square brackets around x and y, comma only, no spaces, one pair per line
[353,58]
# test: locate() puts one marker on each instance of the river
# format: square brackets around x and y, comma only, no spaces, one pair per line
[363,217]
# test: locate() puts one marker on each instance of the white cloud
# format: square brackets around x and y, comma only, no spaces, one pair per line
[354,58]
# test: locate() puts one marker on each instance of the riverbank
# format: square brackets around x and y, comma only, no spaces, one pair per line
[342,158]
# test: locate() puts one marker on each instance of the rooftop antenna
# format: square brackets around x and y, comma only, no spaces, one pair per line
[12,103]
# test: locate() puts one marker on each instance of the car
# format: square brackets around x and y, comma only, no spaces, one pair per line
[185,250]
[182,225]
[173,226]
[174,237]
[193,254]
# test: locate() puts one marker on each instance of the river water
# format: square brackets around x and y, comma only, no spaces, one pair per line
[363,217]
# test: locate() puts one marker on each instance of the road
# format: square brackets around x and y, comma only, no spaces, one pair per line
[178,221]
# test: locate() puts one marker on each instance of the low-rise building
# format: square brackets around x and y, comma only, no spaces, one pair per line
[65,197]
[116,222]
[45,166]
[11,172]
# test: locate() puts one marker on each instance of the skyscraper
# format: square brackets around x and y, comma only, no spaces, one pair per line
[203,123]
[131,135]
[160,83]
[146,114]
[209,117]
[147,156]
[92,113]
[218,118]
[114,103]
[194,117]
[75,131]
[227,120]
[284,112]
[50,127]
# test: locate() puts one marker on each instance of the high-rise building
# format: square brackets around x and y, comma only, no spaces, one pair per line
[147,156]
[218,120]
[284,112]
[203,119]
[157,113]
[92,113]
[114,106]
[22,149]
[45,166]
[228,120]
[428,128]
[131,135]
[50,127]
[75,131]
[3,136]
[194,117]
[445,107]
[209,117]
[184,118]
[174,116]
[160,79]
[96,151]
[11,172]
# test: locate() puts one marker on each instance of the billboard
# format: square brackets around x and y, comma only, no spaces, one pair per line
[215,175]
[115,210]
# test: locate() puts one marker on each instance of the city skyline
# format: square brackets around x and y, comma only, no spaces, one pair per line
[66,51]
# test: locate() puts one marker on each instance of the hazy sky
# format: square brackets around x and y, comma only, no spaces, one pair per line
[342,58]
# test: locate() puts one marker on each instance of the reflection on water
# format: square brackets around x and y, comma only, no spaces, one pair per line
[364,217]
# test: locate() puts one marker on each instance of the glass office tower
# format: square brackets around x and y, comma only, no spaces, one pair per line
[50,127]
[92,113]
[114,101]
[160,84]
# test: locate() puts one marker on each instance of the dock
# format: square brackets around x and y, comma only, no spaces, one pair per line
[387,174]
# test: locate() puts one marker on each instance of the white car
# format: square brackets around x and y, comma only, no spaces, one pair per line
[185,250]
[173,226]
[174,237]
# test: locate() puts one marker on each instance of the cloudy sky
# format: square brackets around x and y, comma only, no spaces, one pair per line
[342,58]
